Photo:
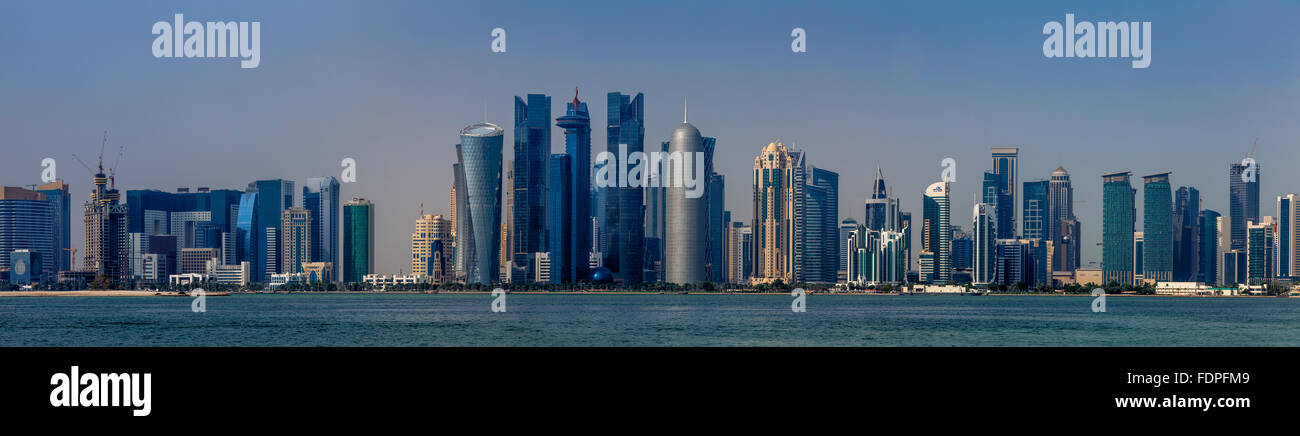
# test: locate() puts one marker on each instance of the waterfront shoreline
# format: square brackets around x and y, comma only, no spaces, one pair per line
[134,293]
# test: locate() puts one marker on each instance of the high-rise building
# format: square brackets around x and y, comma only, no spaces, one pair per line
[1243,200]
[25,266]
[938,229]
[27,223]
[1138,251]
[876,257]
[59,195]
[1288,237]
[624,211]
[1187,233]
[431,248]
[1036,213]
[1209,247]
[1011,267]
[1260,243]
[962,251]
[295,239]
[358,240]
[532,152]
[1004,164]
[505,255]
[774,215]
[737,256]
[715,229]
[654,219]
[273,197]
[983,243]
[821,213]
[479,155]
[320,196]
[686,214]
[877,204]
[1157,228]
[1118,219]
[107,242]
[994,193]
[847,226]
[1063,228]
[560,225]
[576,123]
[195,260]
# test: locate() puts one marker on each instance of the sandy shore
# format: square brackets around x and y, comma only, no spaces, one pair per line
[114,293]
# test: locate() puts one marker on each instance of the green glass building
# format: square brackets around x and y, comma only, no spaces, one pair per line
[1117,228]
[1157,228]
[358,240]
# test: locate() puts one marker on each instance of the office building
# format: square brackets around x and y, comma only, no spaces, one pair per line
[320,197]
[560,225]
[1063,227]
[624,211]
[358,240]
[532,152]
[480,159]
[273,198]
[686,241]
[1004,165]
[295,239]
[1288,238]
[1187,233]
[983,243]
[431,248]
[27,223]
[937,237]
[1157,228]
[773,215]
[59,195]
[1036,212]
[1117,228]
[1243,200]
[576,123]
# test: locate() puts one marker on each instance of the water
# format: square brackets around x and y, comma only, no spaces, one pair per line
[646,320]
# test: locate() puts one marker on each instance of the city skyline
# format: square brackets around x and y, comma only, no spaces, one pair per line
[1126,128]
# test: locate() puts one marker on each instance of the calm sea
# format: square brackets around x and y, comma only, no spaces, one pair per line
[647,320]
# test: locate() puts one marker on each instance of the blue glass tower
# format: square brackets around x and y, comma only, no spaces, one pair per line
[1209,268]
[321,199]
[26,223]
[559,217]
[480,157]
[1187,209]
[1117,222]
[1157,228]
[273,197]
[57,193]
[532,151]
[624,211]
[1036,211]
[821,210]
[576,123]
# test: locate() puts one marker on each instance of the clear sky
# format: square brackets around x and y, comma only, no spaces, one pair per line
[900,85]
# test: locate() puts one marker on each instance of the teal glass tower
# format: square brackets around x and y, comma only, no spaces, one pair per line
[1157,228]
[1117,228]
[358,240]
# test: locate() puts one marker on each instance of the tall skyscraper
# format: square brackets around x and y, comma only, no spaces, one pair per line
[1157,228]
[686,242]
[1004,164]
[877,204]
[716,229]
[938,229]
[624,211]
[560,225]
[1036,213]
[1243,200]
[847,226]
[479,154]
[983,243]
[26,223]
[1118,219]
[1062,226]
[1288,237]
[821,213]
[59,195]
[295,239]
[1260,243]
[994,193]
[654,219]
[1187,233]
[1209,240]
[107,243]
[320,196]
[774,215]
[358,240]
[431,247]
[273,197]
[576,123]
[532,152]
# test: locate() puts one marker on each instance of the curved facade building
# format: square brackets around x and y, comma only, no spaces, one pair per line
[685,239]
[479,152]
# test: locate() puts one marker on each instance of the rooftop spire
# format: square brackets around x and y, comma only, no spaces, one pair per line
[683,110]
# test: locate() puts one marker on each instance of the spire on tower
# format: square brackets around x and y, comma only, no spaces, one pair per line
[684,110]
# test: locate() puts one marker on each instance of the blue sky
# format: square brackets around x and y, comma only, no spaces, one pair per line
[900,85]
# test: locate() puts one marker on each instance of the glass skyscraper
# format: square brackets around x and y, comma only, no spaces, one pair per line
[686,218]
[1157,228]
[1062,226]
[821,211]
[358,240]
[1243,200]
[1209,241]
[320,196]
[1117,223]
[1187,230]
[273,197]
[1036,210]
[26,223]
[560,218]
[938,229]
[1004,164]
[60,198]
[1288,238]
[532,152]
[576,123]
[479,154]
[624,214]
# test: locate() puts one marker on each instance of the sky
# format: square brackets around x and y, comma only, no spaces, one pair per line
[896,85]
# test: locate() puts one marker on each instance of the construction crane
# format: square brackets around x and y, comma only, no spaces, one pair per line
[1252,149]
[112,172]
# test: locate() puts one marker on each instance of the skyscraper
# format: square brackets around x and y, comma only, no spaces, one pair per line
[773,215]
[273,197]
[624,212]
[1157,228]
[1243,200]
[560,225]
[1004,164]
[686,243]
[576,123]
[938,229]
[26,223]
[1187,233]
[1036,213]
[821,212]
[994,193]
[320,196]
[983,243]
[107,243]
[1062,226]
[1260,239]
[479,154]
[59,195]
[877,204]
[847,226]
[1118,219]
[1288,237]
[532,152]
[1209,240]
[431,247]
[295,239]
[358,240]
